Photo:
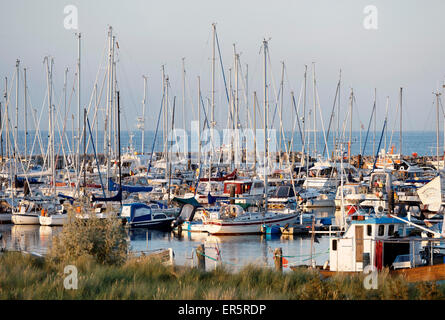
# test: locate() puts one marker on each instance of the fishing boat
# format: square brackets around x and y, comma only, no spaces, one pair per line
[385,242]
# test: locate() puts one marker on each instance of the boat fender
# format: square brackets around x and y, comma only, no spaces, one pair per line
[325,265]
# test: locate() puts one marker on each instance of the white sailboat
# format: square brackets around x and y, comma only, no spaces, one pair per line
[232,219]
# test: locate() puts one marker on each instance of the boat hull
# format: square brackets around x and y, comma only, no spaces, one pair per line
[222,227]
[25,219]
[53,220]
[153,224]
[194,227]
[417,274]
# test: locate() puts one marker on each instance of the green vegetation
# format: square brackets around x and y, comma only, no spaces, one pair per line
[98,248]
[26,277]
[102,239]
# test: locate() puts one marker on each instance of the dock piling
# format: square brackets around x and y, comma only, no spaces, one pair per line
[278,259]
[200,255]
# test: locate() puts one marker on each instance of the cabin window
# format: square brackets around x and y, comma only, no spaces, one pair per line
[334,245]
[160,216]
[369,230]
[258,185]
[391,230]
[381,230]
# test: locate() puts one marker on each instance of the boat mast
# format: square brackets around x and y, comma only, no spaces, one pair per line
[78,100]
[281,113]
[247,108]
[7,124]
[84,152]
[114,114]
[183,93]
[236,101]
[305,153]
[17,65]
[437,129]
[199,122]
[163,111]
[119,142]
[265,124]
[26,112]
[1,133]
[166,111]
[375,119]
[143,113]
[350,125]
[212,125]
[49,61]
[314,110]
[401,154]
[168,160]
[338,109]
[254,131]
[107,124]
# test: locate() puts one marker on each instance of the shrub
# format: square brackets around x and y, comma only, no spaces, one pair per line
[104,240]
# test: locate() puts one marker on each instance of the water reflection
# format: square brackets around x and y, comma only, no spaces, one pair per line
[232,251]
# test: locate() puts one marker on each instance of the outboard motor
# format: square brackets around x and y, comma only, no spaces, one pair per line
[186,214]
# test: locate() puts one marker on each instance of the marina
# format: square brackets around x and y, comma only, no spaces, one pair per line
[202,162]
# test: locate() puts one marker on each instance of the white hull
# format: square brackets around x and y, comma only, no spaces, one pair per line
[245,227]
[25,219]
[194,227]
[53,220]
[316,182]
[319,203]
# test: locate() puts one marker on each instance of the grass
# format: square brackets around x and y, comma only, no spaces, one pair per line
[26,277]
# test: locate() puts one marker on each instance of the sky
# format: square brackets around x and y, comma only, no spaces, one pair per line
[406,50]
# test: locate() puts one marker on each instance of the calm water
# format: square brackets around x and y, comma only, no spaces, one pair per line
[235,251]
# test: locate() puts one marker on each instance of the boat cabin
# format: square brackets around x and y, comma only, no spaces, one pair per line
[373,241]
[140,214]
[244,187]
[380,182]
[209,186]
[283,192]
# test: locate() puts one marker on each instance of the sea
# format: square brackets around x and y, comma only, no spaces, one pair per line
[422,143]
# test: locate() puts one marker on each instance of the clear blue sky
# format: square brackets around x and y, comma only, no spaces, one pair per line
[407,50]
